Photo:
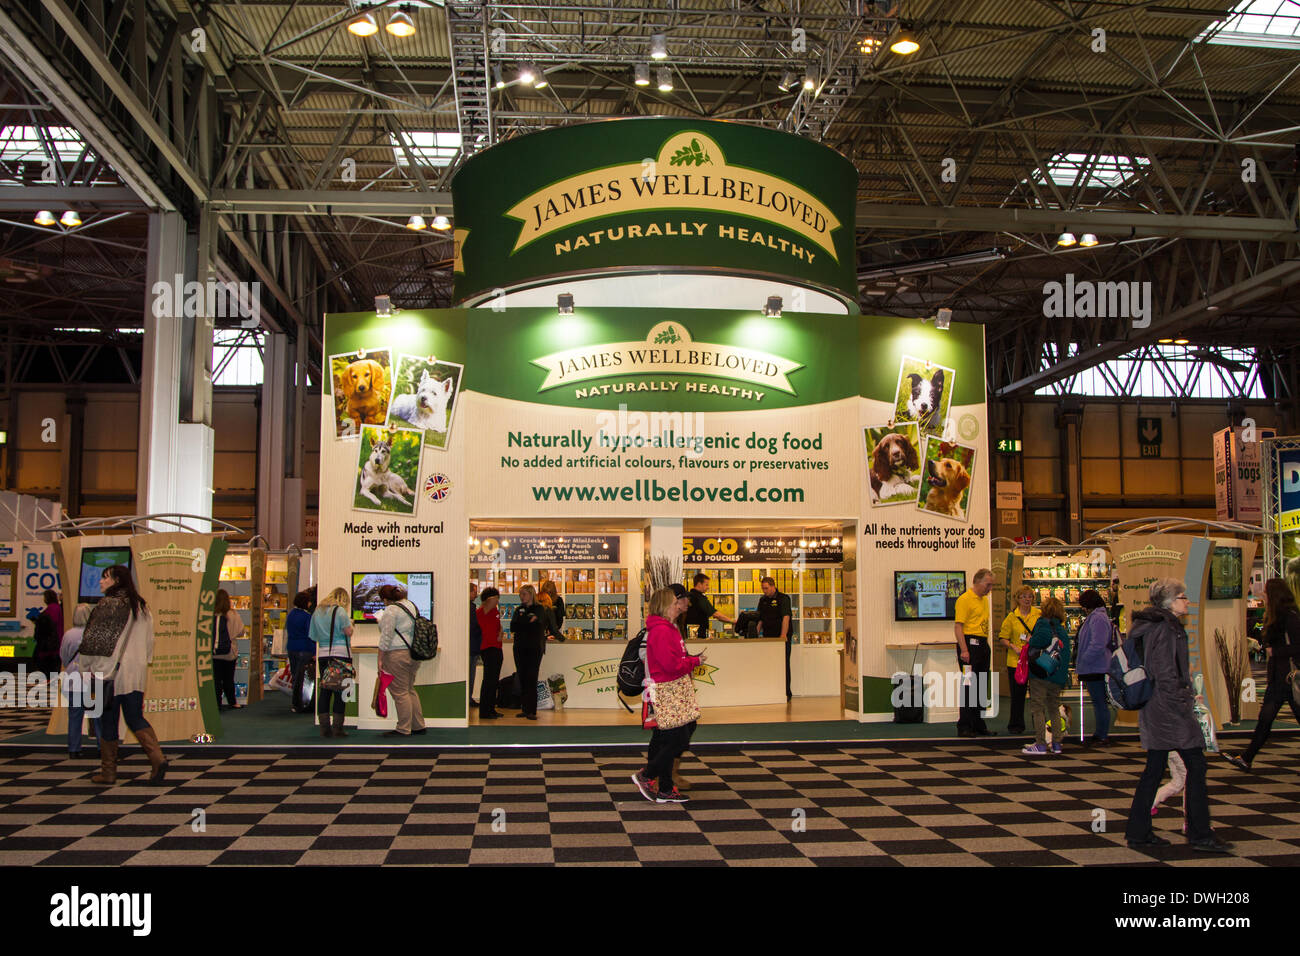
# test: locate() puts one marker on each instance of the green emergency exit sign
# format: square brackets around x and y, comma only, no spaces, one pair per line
[1009,446]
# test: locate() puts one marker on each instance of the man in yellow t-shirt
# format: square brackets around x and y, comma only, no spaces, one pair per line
[972,630]
[1017,628]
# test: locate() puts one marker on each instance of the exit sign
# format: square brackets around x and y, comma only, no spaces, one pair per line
[1009,445]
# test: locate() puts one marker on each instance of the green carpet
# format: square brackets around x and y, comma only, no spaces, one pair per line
[270,723]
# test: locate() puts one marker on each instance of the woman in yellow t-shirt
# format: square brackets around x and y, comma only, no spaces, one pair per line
[1016,628]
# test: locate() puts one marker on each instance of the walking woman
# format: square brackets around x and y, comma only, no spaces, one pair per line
[396,632]
[230,628]
[117,645]
[1049,672]
[331,629]
[1168,721]
[667,663]
[1095,639]
[529,627]
[1017,627]
[1282,637]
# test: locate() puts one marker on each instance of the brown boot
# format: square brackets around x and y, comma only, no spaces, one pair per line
[149,744]
[107,763]
[338,725]
[325,726]
[682,783]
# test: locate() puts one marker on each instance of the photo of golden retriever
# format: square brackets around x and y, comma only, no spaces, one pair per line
[948,469]
[362,388]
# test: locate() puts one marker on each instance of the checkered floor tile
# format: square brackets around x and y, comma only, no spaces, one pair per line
[15,723]
[882,804]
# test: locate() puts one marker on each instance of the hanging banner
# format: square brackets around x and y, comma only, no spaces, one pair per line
[647,195]
[556,549]
[738,549]
[1238,473]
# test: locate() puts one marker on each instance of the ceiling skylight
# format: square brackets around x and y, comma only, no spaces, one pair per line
[427,148]
[1104,171]
[1266,23]
[22,144]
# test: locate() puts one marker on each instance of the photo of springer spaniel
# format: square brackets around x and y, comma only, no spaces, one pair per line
[893,463]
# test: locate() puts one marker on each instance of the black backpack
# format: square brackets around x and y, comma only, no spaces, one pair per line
[509,694]
[746,624]
[424,644]
[631,669]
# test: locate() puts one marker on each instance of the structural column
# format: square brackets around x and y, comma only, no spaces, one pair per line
[174,463]
[280,492]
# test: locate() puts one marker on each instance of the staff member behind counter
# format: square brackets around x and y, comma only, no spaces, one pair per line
[700,610]
[775,620]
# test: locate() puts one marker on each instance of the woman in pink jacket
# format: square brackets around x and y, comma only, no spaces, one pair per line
[665,660]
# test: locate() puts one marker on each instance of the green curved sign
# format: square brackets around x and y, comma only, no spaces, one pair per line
[641,195]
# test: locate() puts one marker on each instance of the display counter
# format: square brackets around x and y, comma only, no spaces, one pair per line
[737,672]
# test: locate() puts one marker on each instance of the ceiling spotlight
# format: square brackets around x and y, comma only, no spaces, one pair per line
[45,218]
[542,543]
[383,306]
[505,542]
[665,80]
[943,319]
[541,82]
[364,26]
[527,74]
[564,303]
[400,24]
[1181,341]
[810,78]
[1165,341]
[803,542]
[70,218]
[1087,239]
[905,44]
[834,542]
[749,543]
[1065,239]
[605,545]
[658,47]
[442,223]
[787,81]
[641,74]
[561,539]
[868,45]
[417,223]
[773,307]
[498,80]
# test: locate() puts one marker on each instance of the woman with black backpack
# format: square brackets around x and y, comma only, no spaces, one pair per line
[1049,670]
[396,632]
[1282,638]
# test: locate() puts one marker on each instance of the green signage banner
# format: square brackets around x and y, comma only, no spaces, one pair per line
[641,195]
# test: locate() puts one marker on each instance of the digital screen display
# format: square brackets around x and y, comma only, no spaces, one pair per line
[1225,574]
[927,595]
[367,604]
[93,563]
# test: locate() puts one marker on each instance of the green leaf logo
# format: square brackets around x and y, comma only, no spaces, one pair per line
[693,155]
[668,336]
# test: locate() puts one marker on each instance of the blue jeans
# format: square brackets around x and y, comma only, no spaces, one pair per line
[130,706]
[75,715]
[1100,707]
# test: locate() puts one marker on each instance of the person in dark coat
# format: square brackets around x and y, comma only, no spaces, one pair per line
[529,625]
[1168,721]
[1282,637]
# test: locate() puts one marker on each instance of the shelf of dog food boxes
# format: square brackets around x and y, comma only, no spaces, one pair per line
[1065,578]
[275,611]
[235,580]
[816,600]
[595,600]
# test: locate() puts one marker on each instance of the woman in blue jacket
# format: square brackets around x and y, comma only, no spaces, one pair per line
[1048,674]
[1094,660]
[301,650]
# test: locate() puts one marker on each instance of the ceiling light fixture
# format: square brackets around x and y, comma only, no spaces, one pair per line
[526,74]
[834,542]
[658,47]
[70,218]
[505,542]
[416,223]
[943,319]
[905,44]
[1181,341]
[497,79]
[541,82]
[772,309]
[787,81]
[364,26]
[1087,240]
[383,306]
[45,218]
[641,74]
[1066,239]
[441,223]
[564,303]
[400,24]
[665,80]
[810,78]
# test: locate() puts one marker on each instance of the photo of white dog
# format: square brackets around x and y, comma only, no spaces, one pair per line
[388,469]
[424,397]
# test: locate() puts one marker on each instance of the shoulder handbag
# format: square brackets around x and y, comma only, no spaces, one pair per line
[674,702]
[338,671]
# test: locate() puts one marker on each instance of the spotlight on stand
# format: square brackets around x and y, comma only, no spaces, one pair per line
[383,306]
[773,307]
[564,303]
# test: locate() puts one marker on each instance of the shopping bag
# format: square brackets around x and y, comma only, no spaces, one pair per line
[308,690]
[1203,716]
[380,703]
[544,699]
[283,680]
[559,690]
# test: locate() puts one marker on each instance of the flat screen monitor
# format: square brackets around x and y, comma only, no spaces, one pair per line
[1225,574]
[367,604]
[927,595]
[93,563]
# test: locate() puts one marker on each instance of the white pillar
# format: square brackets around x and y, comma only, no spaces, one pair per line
[665,537]
[274,451]
[174,462]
